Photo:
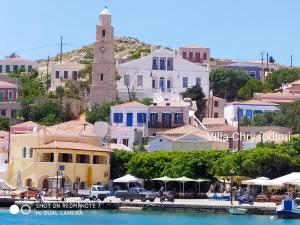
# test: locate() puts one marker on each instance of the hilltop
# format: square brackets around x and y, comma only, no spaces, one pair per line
[125,48]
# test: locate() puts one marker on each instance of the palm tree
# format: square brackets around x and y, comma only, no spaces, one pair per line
[60,92]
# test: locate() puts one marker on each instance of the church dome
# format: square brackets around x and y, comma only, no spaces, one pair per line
[105,12]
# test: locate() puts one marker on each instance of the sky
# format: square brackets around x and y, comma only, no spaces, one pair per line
[234,29]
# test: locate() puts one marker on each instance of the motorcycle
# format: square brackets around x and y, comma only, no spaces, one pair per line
[167,197]
[245,199]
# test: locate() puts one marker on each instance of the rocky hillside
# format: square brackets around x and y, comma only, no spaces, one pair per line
[126,48]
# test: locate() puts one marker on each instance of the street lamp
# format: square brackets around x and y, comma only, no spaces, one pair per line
[232,172]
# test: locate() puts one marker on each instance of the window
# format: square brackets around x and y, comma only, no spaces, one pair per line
[65,74]
[252,74]
[98,159]
[103,33]
[0,68]
[65,157]
[184,55]
[57,74]
[197,57]
[240,113]
[10,95]
[153,118]
[216,103]
[170,64]
[24,152]
[190,56]
[249,113]
[29,68]
[185,82]
[15,68]
[30,152]
[216,115]
[1,96]
[204,56]
[153,84]
[46,157]
[125,141]
[162,63]
[166,119]
[178,118]
[141,117]
[155,63]
[7,69]
[118,117]
[140,80]
[81,158]
[101,77]
[126,79]
[198,81]
[23,68]
[3,112]
[74,75]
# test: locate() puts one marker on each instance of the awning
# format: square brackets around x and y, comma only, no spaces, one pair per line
[127,179]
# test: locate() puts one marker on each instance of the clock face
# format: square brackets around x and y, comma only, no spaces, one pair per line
[102,49]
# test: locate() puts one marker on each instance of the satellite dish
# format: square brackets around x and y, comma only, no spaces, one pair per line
[101,129]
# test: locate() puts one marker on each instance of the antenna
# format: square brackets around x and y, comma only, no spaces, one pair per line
[61,48]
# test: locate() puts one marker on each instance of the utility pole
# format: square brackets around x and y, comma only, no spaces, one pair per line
[61,48]
[47,75]
[239,129]
[291,61]
[268,61]
[262,67]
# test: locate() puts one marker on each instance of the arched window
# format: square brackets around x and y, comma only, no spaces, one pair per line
[24,152]
[103,33]
[101,77]
[30,152]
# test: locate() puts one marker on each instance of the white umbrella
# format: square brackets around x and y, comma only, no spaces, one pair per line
[183,180]
[200,180]
[262,181]
[128,178]
[165,179]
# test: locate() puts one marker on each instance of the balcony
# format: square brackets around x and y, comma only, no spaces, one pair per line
[164,125]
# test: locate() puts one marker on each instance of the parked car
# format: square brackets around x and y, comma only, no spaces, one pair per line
[94,193]
[28,192]
[136,193]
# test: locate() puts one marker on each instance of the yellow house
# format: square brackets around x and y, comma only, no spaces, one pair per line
[69,149]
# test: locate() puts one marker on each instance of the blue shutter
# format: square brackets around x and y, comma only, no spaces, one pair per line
[249,113]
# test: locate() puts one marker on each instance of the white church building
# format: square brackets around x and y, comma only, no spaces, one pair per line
[161,74]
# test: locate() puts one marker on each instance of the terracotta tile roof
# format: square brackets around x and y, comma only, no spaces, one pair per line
[73,127]
[7,84]
[71,146]
[26,124]
[221,128]
[132,104]
[213,121]
[176,133]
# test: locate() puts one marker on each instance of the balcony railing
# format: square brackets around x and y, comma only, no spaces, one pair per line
[164,125]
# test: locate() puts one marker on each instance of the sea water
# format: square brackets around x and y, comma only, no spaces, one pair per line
[116,217]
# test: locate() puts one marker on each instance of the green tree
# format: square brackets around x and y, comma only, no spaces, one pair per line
[100,112]
[4,123]
[119,163]
[281,76]
[247,91]
[196,94]
[147,101]
[72,89]
[226,83]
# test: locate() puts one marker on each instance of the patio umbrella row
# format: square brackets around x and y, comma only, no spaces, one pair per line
[182,179]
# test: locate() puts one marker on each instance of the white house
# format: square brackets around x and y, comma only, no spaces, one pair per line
[60,73]
[237,110]
[129,122]
[14,63]
[161,73]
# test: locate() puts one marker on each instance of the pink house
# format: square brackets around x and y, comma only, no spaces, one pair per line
[8,98]
[196,54]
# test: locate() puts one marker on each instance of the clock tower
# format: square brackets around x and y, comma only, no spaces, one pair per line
[103,86]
